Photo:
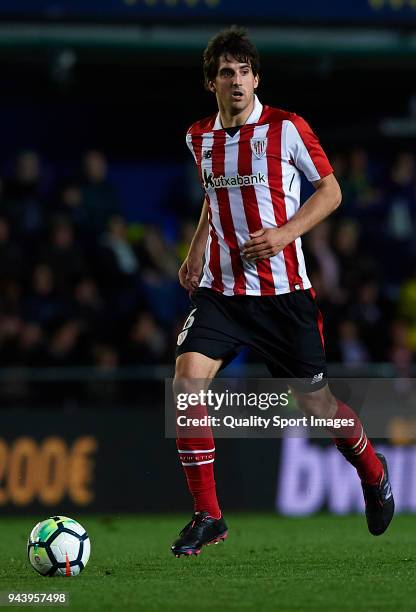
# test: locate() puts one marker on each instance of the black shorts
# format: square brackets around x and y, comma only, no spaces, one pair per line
[284,330]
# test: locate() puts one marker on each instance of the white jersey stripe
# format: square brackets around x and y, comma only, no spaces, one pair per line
[197,452]
[291,183]
[225,259]
[264,200]
[301,157]
[207,270]
[239,216]
[301,265]
[198,463]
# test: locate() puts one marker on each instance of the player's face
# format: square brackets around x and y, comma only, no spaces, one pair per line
[234,85]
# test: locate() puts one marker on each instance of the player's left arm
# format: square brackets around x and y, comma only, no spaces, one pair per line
[266,243]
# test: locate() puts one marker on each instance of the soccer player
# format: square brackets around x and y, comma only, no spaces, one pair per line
[246,273]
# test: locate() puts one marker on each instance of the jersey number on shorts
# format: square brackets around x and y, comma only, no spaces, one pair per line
[189,321]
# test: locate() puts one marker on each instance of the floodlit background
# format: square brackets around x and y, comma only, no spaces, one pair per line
[99,199]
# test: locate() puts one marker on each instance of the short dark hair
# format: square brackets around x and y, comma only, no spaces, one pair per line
[234,42]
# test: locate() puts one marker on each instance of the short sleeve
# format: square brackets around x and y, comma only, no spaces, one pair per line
[190,143]
[305,150]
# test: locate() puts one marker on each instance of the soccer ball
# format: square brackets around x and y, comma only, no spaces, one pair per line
[58,546]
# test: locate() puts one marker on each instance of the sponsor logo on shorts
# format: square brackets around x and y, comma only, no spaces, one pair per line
[188,323]
[182,337]
[317,378]
[189,320]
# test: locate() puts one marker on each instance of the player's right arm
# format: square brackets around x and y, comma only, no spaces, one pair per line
[191,269]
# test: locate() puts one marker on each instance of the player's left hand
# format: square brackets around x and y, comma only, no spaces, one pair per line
[265,243]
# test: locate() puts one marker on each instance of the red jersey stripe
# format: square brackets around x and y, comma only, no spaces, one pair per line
[214,256]
[197,147]
[278,198]
[230,237]
[311,142]
[251,207]
[214,251]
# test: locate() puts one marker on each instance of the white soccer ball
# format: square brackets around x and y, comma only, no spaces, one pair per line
[58,546]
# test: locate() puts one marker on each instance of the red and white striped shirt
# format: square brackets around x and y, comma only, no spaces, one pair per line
[252,181]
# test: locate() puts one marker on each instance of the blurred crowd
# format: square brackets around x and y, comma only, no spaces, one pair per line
[362,262]
[80,286]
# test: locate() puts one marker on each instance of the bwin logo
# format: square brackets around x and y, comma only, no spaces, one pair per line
[218,182]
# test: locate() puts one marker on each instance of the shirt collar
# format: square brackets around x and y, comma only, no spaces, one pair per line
[253,118]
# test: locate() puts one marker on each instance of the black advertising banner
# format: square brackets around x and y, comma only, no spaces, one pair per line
[120,461]
[116,461]
[90,460]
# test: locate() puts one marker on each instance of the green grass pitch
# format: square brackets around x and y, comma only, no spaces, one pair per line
[267,563]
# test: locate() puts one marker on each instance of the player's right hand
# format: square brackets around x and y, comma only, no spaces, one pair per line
[189,274]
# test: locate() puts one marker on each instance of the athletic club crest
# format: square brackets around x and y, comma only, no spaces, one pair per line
[258,146]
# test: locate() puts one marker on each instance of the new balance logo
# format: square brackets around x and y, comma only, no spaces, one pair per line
[217,182]
[207,153]
[317,378]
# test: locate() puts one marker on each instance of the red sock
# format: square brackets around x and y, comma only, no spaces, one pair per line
[197,456]
[356,447]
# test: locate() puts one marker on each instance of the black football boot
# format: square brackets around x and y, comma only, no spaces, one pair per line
[379,502]
[201,531]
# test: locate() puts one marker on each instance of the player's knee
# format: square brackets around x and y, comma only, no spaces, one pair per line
[185,385]
[193,373]
[196,366]
[185,368]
